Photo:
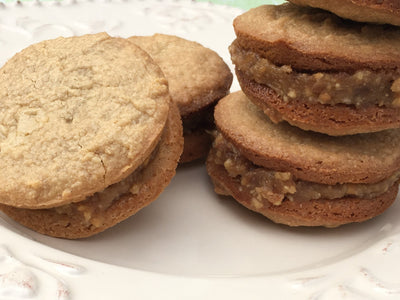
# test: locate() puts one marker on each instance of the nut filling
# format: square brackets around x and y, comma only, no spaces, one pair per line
[363,88]
[264,184]
[93,207]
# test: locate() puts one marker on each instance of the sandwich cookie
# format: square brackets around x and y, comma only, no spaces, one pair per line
[118,201]
[384,11]
[197,79]
[318,71]
[297,177]
[78,115]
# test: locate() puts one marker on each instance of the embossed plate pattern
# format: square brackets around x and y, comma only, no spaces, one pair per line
[190,243]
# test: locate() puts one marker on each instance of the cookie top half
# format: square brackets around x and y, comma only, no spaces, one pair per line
[197,76]
[310,39]
[76,115]
[310,156]
[383,11]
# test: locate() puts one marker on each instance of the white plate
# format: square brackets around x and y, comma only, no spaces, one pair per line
[190,243]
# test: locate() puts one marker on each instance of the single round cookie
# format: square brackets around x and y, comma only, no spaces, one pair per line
[383,11]
[315,61]
[77,115]
[117,202]
[197,78]
[277,169]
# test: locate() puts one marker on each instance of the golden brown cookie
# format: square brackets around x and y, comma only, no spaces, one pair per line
[197,78]
[300,177]
[375,11]
[296,62]
[322,212]
[78,114]
[117,202]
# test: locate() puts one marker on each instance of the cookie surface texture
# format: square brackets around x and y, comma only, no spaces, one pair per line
[197,76]
[385,12]
[117,202]
[77,115]
[294,37]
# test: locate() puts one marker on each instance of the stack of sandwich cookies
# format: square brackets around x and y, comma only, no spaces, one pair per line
[313,140]
[197,79]
[318,71]
[85,122]
[301,178]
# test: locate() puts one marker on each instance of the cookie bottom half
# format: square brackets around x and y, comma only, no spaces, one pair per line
[321,212]
[335,120]
[91,216]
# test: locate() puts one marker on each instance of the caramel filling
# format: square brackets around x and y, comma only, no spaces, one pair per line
[93,208]
[363,88]
[273,186]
